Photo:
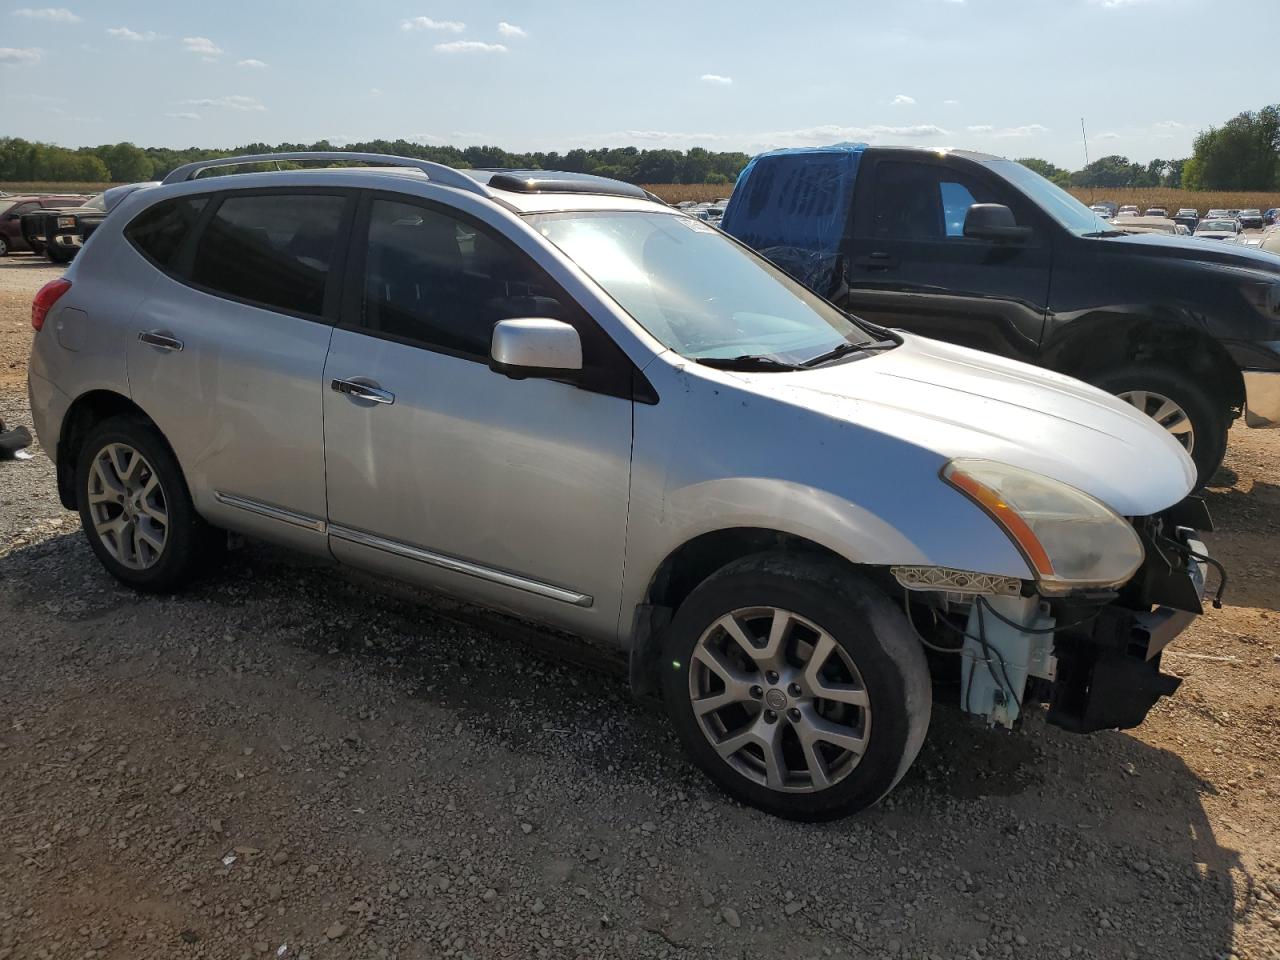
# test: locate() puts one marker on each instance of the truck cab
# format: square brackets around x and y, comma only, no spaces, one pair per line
[983,252]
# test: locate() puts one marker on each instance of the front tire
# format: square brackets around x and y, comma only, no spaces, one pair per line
[796,686]
[56,255]
[4,245]
[135,508]
[1179,404]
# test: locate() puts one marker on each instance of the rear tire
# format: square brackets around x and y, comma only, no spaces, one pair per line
[1208,419]
[817,741]
[56,255]
[135,508]
[4,246]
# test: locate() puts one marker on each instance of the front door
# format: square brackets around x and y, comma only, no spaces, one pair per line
[909,264]
[511,493]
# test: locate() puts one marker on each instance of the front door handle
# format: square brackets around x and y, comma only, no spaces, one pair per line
[157,338]
[878,261]
[359,389]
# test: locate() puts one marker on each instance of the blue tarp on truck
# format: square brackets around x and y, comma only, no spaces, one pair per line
[794,211]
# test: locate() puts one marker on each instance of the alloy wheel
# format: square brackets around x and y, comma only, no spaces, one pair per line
[128,506]
[1165,412]
[779,700]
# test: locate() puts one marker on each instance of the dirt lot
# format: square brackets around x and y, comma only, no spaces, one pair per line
[294,761]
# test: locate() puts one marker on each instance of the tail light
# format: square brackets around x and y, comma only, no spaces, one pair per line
[46,297]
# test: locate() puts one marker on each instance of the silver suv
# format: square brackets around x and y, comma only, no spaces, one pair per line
[554,395]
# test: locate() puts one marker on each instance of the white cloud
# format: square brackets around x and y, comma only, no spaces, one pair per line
[183,116]
[124,33]
[470,46]
[1108,135]
[55,14]
[902,100]
[1007,133]
[256,64]
[201,45]
[511,30]
[716,78]
[949,103]
[233,102]
[426,23]
[20,55]
[375,91]
[1116,3]
[803,136]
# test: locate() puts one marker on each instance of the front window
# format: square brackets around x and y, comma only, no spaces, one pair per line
[1062,206]
[697,291]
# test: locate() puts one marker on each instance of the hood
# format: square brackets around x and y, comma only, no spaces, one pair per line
[1194,248]
[963,403]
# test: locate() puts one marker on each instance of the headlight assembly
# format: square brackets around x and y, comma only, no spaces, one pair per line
[1070,539]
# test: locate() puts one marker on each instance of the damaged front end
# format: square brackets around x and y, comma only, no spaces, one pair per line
[1092,655]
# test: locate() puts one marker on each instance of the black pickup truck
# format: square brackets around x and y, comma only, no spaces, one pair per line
[60,232]
[983,252]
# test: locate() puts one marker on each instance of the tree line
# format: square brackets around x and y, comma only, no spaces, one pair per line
[1242,154]
[23,160]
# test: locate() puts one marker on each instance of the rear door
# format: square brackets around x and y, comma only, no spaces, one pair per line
[909,264]
[511,493]
[228,350]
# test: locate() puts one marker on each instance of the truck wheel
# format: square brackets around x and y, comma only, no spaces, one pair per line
[135,508]
[57,256]
[4,246]
[1181,405]
[796,686]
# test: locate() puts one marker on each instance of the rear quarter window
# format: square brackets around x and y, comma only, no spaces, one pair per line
[159,231]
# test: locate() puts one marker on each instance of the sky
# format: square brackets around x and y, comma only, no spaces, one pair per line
[1012,77]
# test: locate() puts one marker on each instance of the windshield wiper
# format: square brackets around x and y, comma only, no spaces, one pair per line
[745,362]
[845,349]
[1105,233]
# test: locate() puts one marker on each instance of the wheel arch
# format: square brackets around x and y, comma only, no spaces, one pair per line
[1104,340]
[690,564]
[87,411]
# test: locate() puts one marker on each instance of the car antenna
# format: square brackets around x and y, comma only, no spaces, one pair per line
[1085,137]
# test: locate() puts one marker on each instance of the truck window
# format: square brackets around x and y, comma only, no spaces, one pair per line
[922,201]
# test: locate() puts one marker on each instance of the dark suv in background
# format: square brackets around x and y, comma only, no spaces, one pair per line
[12,209]
[981,251]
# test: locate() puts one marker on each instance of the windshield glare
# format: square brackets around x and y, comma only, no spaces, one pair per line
[696,290]
[1062,206]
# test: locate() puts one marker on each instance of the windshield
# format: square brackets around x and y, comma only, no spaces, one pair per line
[6,204]
[96,203]
[696,290]
[1052,199]
[1207,226]
[1250,213]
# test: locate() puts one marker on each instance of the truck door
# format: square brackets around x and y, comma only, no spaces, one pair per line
[909,264]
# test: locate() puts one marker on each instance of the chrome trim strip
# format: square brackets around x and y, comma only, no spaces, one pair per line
[464,567]
[266,510]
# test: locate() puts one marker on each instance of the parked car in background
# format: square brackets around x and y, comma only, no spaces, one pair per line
[1156,212]
[1188,218]
[1103,211]
[1269,216]
[1148,224]
[1128,210]
[11,211]
[1217,214]
[983,252]
[61,231]
[1220,229]
[1110,206]
[1251,219]
[767,506]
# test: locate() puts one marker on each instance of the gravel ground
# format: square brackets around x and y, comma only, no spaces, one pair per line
[291,760]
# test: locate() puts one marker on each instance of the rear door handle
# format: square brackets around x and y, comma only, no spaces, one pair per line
[358,389]
[156,338]
[878,261]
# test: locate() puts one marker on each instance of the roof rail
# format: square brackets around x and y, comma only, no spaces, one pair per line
[438,172]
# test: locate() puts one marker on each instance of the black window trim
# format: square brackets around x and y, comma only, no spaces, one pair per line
[622,377]
[185,259]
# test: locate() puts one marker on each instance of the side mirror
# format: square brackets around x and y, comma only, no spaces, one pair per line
[535,347]
[994,221]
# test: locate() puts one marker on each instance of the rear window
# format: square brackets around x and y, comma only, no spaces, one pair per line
[158,232]
[271,250]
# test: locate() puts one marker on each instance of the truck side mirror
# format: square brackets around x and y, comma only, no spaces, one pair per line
[994,221]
